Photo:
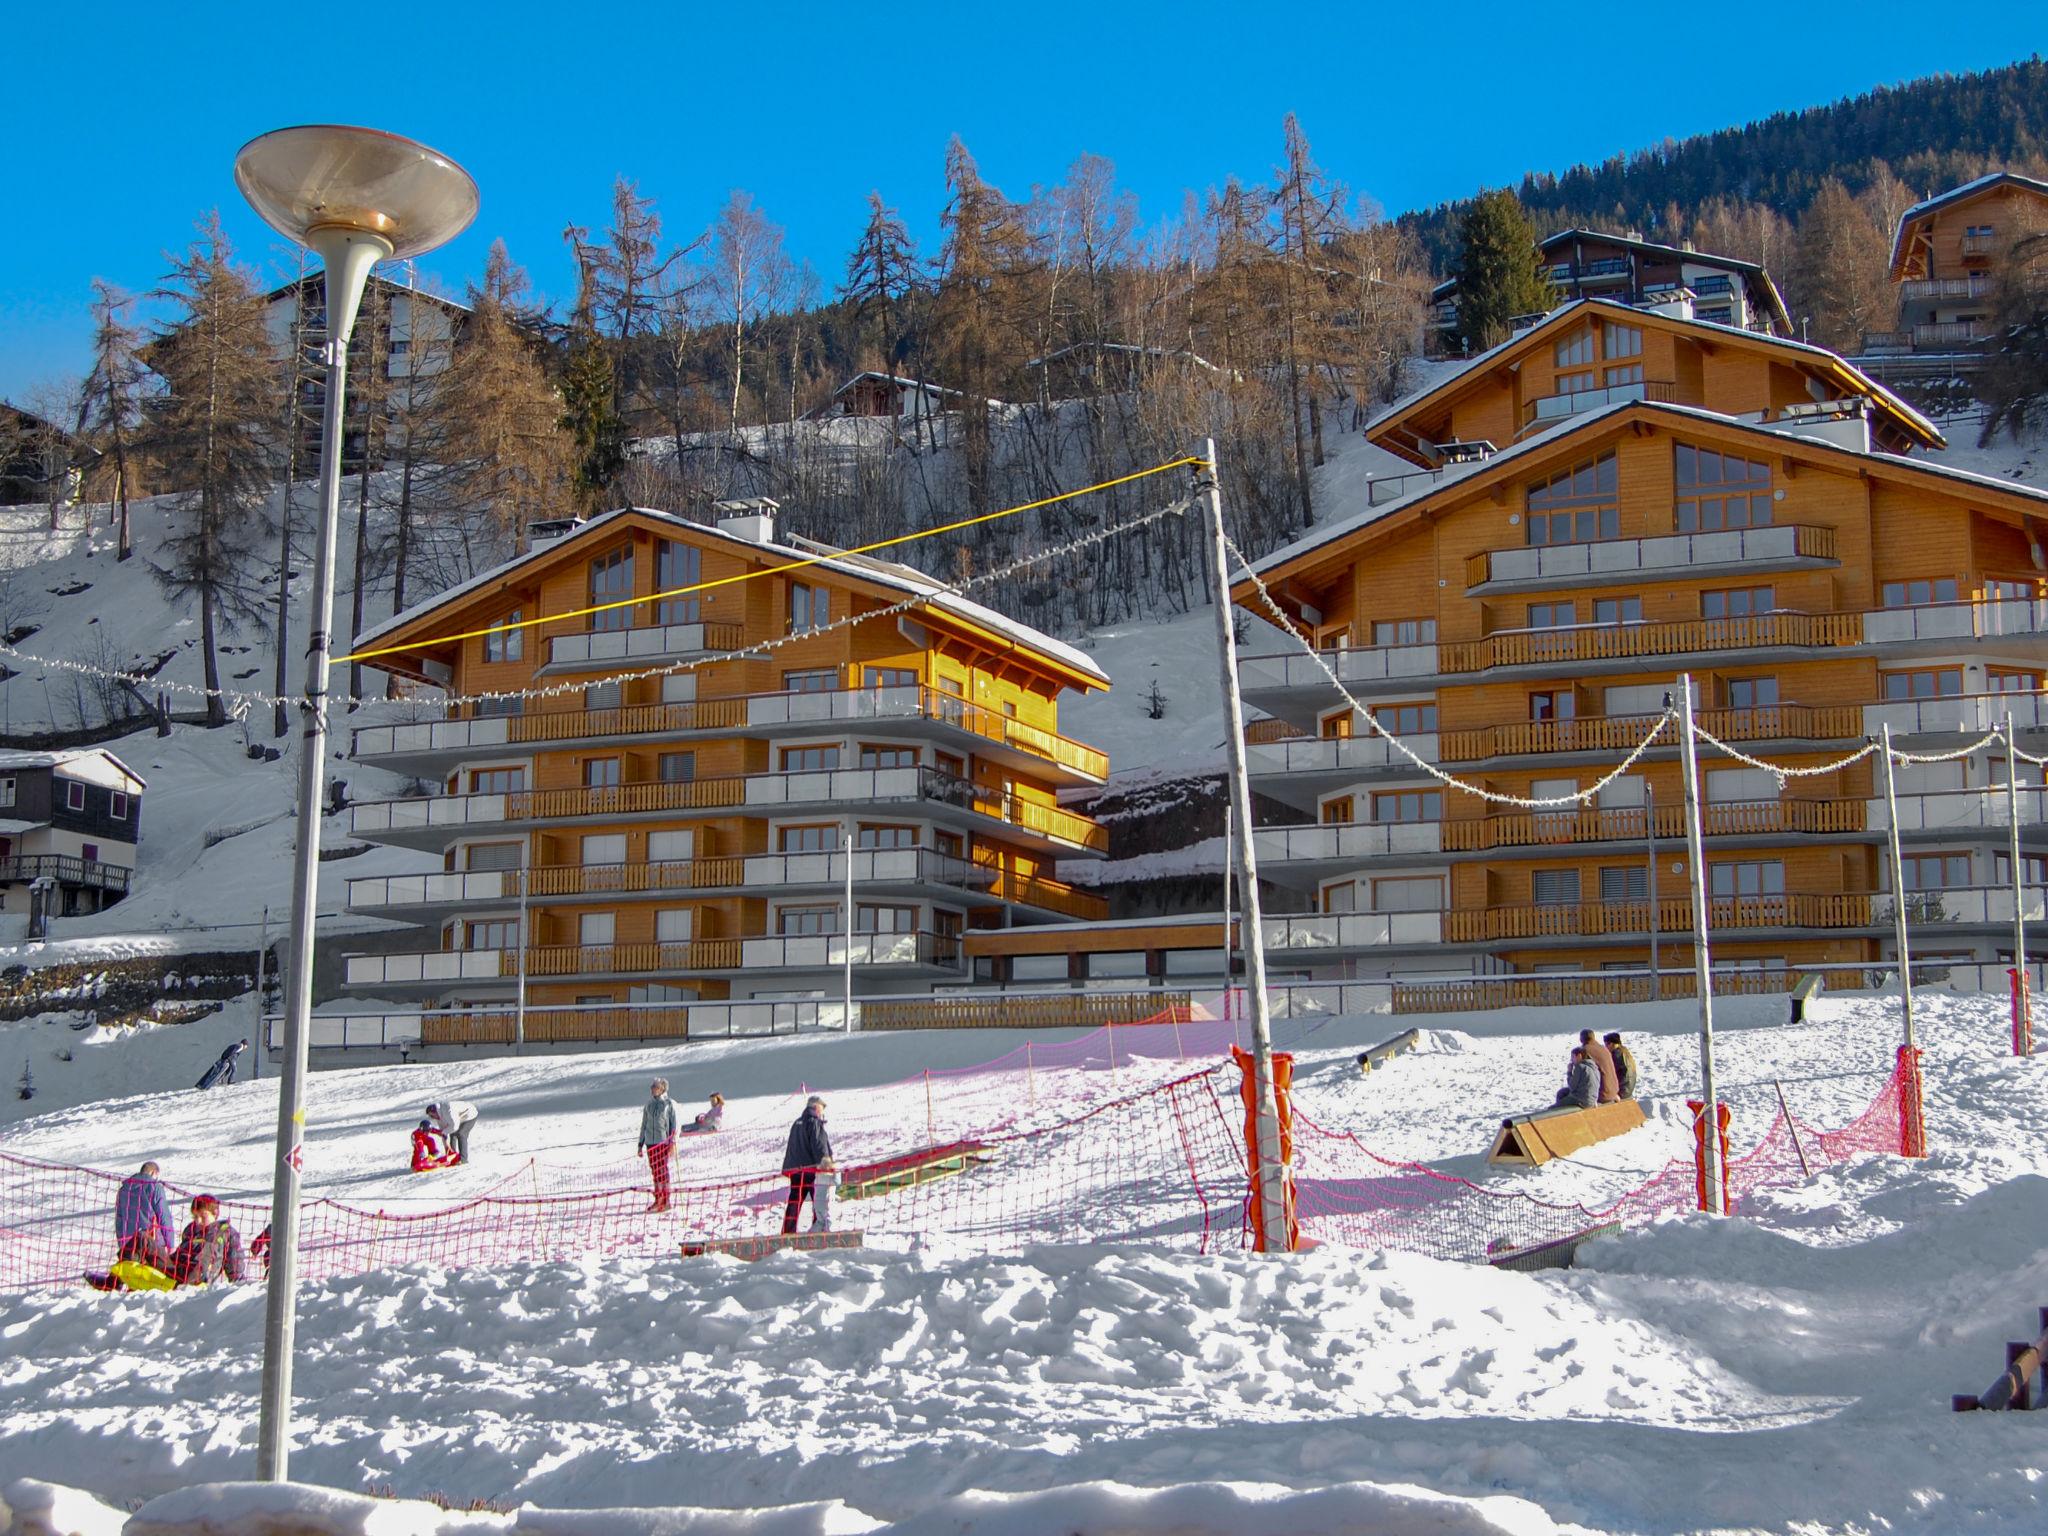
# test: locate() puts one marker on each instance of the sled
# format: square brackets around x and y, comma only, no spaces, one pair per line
[920,1166]
[1530,1141]
[131,1275]
[752,1248]
[1553,1253]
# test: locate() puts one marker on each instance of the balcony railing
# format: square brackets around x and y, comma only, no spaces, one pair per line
[632,959]
[1352,930]
[823,951]
[404,1029]
[1347,842]
[1962,810]
[1621,733]
[1600,919]
[1979,245]
[1259,732]
[629,879]
[1974,714]
[1621,642]
[1975,286]
[1949,333]
[431,967]
[1712,287]
[1338,754]
[1749,818]
[915,702]
[1558,407]
[65,870]
[1574,564]
[756,792]
[1051,895]
[447,888]
[647,642]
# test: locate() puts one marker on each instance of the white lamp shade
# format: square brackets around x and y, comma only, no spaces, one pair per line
[329,176]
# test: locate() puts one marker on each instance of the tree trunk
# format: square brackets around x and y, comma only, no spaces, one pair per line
[216,710]
[124,546]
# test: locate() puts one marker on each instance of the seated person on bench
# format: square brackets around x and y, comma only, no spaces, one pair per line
[1581,1088]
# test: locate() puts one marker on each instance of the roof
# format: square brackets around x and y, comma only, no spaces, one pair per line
[12,760]
[1862,382]
[1121,346]
[1574,426]
[1751,269]
[893,378]
[1964,193]
[899,578]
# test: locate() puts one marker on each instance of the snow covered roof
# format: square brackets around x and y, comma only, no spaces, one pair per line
[901,578]
[1967,190]
[90,763]
[893,378]
[1572,426]
[1125,347]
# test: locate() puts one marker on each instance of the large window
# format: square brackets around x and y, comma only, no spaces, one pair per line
[809,759]
[1737,602]
[1718,490]
[497,781]
[1408,893]
[818,680]
[1406,719]
[880,919]
[602,772]
[1920,591]
[1746,877]
[1403,631]
[1617,610]
[1936,871]
[1623,340]
[1552,615]
[887,755]
[505,644]
[1752,692]
[1924,683]
[1555,887]
[890,677]
[886,835]
[803,921]
[1576,506]
[1576,350]
[491,933]
[677,564]
[812,839]
[1996,680]
[1408,805]
[611,579]
[809,607]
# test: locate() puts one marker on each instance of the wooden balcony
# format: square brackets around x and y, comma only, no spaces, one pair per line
[1777,546]
[661,875]
[1758,818]
[1619,642]
[1051,895]
[1550,408]
[1621,733]
[65,870]
[1467,994]
[1605,919]
[632,959]
[641,645]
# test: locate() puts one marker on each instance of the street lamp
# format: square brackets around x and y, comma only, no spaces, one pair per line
[354,196]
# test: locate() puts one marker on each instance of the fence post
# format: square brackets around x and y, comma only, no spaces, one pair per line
[1912,1112]
[1711,1181]
[1891,802]
[2022,1020]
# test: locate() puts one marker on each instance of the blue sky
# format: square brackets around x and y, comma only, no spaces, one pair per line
[125,124]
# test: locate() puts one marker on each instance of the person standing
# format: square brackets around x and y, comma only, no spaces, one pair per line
[454,1117]
[808,1162]
[142,1219]
[222,1072]
[658,1139]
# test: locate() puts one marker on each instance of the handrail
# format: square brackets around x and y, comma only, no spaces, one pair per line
[66,869]
[1571,402]
[1609,733]
[1746,818]
[1674,915]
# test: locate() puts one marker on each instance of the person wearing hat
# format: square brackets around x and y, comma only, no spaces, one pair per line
[210,1249]
[808,1163]
[454,1117]
[1624,1065]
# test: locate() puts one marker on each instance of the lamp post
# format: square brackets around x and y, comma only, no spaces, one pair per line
[355,197]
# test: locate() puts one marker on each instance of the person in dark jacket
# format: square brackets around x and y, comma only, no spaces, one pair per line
[142,1219]
[1581,1088]
[1624,1066]
[223,1069]
[658,1139]
[1610,1080]
[808,1162]
[211,1248]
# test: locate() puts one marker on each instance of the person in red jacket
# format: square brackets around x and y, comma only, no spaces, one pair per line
[427,1151]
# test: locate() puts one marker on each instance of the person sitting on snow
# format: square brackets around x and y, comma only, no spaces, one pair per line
[210,1249]
[1624,1066]
[427,1151]
[142,1219]
[711,1118]
[1581,1088]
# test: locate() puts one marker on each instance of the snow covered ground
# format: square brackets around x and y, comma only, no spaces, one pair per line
[1787,1371]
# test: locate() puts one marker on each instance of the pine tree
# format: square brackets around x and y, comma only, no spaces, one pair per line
[1309,207]
[2014,383]
[881,276]
[110,400]
[214,431]
[1500,275]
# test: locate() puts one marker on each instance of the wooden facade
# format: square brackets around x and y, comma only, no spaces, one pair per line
[1947,256]
[681,822]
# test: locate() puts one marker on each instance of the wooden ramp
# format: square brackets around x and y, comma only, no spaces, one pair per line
[916,1167]
[1532,1140]
[752,1248]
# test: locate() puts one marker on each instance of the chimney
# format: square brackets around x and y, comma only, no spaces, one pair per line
[748,517]
[545,530]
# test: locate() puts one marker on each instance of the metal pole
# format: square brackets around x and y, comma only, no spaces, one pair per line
[262,970]
[1229,821]
[525,938]
[1272,1177]
[1688,752]
[1891,801]
[2012,814]
[1792,1126]
[1650,841]
[349,257]
[846,1018]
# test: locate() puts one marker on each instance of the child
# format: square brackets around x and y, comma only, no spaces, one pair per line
[427,1151]
[711,1118]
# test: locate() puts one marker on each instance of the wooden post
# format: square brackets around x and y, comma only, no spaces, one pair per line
[1891,801]
[1792,1126]
[2022,1037]
[1713,1174]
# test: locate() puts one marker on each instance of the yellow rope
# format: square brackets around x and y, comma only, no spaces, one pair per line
[773,570]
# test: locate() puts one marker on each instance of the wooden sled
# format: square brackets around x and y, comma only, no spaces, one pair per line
[1532,1140]
[752,1248]
[916,1167]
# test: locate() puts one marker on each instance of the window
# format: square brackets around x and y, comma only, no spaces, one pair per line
[1752,692]
[495,933]
[1555,887]
[602,772]
[2002,590]
[74,795]
[597,928]
[809,607]
[807,921]
[1552,615]
[1576,349]
[1576,383]
[677,564]
[505,644]
[1340,896]
[611,580]
[603,848]
[810,759]
[1622,340]
[2001,680]
[491,856]
[117,806]
[887,755]
[954,686]
[1617,610]
[1553,704]
[1629,792]
[6,791]
[677,767]
[822,838]
[885,835]
[1404,632]
[673,925]
[1936,871]
[1924,683]
[951,844]
[1628,373]
[1719,490]
[678,687]
[1740,786]
[1338,811]
[671,847]
[1737,602]
[492,709]
[2033,868]
[1624,882]
[1919,591]
[1747,877]
[1407,719]
[607,695]
[1408,805]
[1408,893]
[1336,726]
[1577,505]
[820,680]
[891,677]
[878,919]
[496,781]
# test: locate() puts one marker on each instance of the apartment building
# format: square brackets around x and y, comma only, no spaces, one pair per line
[676,839]
[1519,617]
[1627,269]
[1946,257]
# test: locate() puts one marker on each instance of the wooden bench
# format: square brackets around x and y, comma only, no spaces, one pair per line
[752,1248]
[1533,1140]
[1387,1050]
[920,1166]
[1809,988]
